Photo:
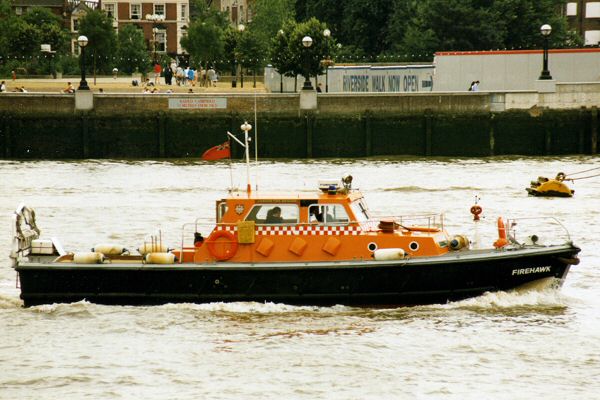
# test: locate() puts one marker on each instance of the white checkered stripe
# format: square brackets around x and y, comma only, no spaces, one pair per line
[299,230]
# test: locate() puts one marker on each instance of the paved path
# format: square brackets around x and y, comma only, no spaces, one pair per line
[123,85]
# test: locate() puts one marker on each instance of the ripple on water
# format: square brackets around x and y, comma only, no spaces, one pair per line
[506,345]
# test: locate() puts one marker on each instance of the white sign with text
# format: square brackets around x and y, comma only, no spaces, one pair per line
[205,103]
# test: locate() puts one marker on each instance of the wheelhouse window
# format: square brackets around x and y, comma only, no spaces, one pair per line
[274,214]
[221,210]
[360,210]
[328,214]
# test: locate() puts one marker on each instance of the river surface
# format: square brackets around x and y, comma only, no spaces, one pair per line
[517,345]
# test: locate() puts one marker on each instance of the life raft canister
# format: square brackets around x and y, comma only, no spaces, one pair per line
[222,245]
[502,241]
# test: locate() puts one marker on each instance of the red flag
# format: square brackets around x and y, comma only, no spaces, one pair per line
[217,152]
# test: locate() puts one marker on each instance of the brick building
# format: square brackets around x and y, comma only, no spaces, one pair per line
[584,18]
[240,11]
[169,30]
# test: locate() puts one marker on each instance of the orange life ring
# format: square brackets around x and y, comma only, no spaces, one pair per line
[222,250]
[501,242]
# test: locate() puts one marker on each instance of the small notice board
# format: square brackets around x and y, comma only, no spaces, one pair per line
[205,103]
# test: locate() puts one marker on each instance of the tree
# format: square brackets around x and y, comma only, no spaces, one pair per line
[309,58]
[269,17]
[132,53]
[102,41]
[205,40]
[38,26]
[250,50]
[280,54]
[522,20]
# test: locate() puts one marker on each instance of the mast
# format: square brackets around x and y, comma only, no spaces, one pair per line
[246,127]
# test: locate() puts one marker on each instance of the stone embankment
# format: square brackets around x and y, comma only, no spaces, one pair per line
[465,124]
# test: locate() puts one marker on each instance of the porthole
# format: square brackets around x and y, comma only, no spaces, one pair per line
[372,246]
[414,246]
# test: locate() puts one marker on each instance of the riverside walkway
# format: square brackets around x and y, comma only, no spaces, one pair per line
[123,85]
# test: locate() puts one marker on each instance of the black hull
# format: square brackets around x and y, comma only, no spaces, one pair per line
[402,282]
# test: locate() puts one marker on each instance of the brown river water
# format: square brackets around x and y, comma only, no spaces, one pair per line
[519,345]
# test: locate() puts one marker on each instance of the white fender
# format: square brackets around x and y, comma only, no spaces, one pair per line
[159,258]
[109,249]
[92,257]
[389,254]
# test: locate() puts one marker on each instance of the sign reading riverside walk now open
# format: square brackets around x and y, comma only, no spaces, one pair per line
[209,103]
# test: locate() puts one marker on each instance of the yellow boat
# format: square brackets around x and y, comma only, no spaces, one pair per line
[550,187]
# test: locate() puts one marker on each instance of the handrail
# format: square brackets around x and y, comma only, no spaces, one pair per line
[510,222]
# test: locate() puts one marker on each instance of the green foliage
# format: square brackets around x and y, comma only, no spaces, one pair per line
[418,28]
[68,64]
[250,50]
[280,53]
[205,41]
[102,40]
[23,36]
[269,17]
[132,53]
[290,57]
[309,58]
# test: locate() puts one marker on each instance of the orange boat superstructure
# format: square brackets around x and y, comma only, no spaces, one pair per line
[331,225]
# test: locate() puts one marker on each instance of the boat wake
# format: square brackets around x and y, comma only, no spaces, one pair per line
[429,190]
[547,298]
[253,308]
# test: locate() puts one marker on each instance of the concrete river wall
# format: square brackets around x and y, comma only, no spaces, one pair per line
[48,126]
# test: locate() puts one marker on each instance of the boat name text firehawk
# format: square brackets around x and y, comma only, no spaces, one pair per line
[525,271]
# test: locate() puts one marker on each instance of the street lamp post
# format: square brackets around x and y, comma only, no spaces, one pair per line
[545,30]
[83,41]
[280,33]
[155,19]
[307,42]
[241,28]
[327,34]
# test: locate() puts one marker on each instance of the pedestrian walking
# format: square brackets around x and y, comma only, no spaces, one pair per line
[157,71]
[14,75]
[168,75]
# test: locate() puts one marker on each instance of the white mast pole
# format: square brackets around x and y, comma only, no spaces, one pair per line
[246,127]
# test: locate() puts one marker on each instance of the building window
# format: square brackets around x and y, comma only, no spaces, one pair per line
[19,10]
[592,10]
[161,41]
[76,49]
[75,26]
[159,9]
[592,38]
[183,15]
[242,14]
[136,11]
[109,8]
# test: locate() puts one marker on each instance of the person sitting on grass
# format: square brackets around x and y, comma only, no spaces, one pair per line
[69,88]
